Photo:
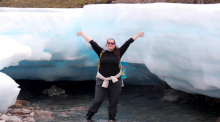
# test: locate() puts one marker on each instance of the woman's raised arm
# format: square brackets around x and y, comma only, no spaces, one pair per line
[94,45]
[139,34]
[80,33]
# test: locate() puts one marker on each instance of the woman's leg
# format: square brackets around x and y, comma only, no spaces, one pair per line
[100,94]
[114,90]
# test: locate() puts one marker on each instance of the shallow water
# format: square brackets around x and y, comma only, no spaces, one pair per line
[130,109]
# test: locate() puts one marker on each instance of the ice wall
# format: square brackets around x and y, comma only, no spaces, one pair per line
[8,92]
[12,52]
[180,45]
[57,53]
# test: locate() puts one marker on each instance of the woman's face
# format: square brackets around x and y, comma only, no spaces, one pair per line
[110,45]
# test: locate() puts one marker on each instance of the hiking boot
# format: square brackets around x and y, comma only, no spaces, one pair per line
[89,115]
[112,118]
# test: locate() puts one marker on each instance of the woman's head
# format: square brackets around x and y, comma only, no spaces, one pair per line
[111,46]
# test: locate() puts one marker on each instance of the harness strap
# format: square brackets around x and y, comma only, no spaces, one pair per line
[100,58]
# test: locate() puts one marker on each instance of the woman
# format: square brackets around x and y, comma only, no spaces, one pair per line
[108,79]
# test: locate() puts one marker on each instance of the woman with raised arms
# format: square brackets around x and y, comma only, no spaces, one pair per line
[108,79]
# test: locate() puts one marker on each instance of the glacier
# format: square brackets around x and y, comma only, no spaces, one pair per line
[180,47]
[8,92]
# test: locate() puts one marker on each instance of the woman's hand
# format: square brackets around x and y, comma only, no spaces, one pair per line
[79,33]
[139,34]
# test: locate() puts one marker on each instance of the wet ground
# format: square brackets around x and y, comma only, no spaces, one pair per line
[148,108]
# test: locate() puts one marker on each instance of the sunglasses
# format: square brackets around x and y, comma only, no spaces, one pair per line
[110,43]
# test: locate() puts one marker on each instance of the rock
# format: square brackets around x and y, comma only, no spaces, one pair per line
[45,115]
[186,96]
[63,113]
[18,112]
[54,91]
[23,102]
[45,91]
[32,114]
[4,117]
[19,104]
[161,87]
[25,114]
[9,110]
[26,111]
[30,108]
[16,105]
[183,102]
[8,114]
[171,96]
[14,119]
[79,108]
[28,119]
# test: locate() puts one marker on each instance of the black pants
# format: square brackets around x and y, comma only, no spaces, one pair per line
[113,91]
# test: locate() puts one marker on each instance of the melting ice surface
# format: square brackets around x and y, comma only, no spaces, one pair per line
[181,43]
[8,92]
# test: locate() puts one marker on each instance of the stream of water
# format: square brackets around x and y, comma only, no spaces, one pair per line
[148,108]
